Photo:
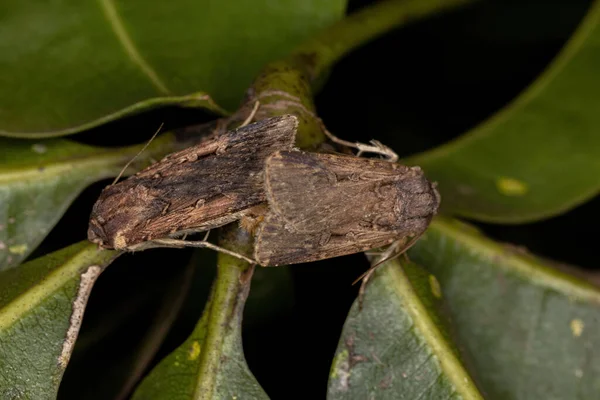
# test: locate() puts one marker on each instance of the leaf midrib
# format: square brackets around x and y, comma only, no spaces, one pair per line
[83,164]
[116,24]
[525,265]
[34,295]
[450,365]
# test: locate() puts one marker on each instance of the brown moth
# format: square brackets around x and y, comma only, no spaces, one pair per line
[197,189]
[326,205]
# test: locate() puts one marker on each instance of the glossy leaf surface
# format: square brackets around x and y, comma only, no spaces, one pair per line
[210,364]
[540,155]
[41,307]
[39,180]
[71,65]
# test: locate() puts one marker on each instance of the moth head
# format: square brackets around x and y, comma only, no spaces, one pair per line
[418,197]
[117,215]
[96,233]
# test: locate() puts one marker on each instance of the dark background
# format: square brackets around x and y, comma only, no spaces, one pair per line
[414,89]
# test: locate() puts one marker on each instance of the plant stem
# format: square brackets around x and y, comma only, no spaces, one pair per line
[224,309]
[287,86]
[321,52]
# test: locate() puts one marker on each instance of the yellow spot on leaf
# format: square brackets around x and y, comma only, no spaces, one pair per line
[578,373]
[340,363]
[19,249]
[511,186]
[39,148]
[577,327]
[194,351]
[436,289]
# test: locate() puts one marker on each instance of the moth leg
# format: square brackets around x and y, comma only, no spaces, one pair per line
[378,148]
[387,255]
[204,239]
[252,114]
[201,243]
[396,249]
[375,147]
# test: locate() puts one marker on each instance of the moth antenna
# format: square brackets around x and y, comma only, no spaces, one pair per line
[137,155]
[252,114]
[376,147]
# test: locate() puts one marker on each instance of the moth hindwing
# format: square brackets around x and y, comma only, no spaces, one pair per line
[197,189]
[323,206]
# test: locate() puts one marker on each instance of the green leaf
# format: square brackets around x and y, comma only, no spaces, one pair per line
[72,65]
[39,180]
[539,156]
[287,85]
[528,331]
[322,51]
[41,307]
[112,351]
[210,364]
[396,347]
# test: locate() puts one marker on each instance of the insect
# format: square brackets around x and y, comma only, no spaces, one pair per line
[197,189]
[326,205]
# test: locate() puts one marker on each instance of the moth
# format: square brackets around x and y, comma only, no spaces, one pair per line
[205,186]
[327,205]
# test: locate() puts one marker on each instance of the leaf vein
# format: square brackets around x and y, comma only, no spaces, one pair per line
[117,26]
[433,382]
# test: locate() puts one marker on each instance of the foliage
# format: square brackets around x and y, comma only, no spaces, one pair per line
[463,316]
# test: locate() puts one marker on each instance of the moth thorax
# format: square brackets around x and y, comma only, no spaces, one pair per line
[253,218]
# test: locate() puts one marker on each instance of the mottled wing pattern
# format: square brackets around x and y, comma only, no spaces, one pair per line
[313,191]
[199,188]
[277,245]
[323,206]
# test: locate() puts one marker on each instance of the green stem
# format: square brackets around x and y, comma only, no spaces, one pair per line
[225,308]
[286,86]
[320,53]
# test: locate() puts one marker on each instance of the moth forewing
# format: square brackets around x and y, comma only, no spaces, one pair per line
[200,188]
[324,205]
